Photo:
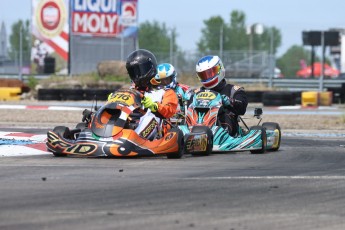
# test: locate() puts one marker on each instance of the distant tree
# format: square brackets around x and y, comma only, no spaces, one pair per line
[290,62]
[210,39]
[271,35]
[15,40]
[155,36]
[235,36]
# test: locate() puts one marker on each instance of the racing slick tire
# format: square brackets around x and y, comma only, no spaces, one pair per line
[273,126]
[64,132]
[208,131]
[263,140]
[180,142]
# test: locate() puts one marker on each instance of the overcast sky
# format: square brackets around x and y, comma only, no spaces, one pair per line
[187,16]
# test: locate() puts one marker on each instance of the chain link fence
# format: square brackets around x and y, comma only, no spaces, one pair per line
[257,64]
[87,52]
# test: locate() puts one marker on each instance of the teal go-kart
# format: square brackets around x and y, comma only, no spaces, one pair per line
[203,133]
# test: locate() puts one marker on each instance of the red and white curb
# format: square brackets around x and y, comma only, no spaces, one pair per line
[36,144]
[40,107]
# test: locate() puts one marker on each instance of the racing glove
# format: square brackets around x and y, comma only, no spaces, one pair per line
[227,102]
[148,103]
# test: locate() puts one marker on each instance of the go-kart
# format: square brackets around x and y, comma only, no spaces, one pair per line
[204,133]
[110,131]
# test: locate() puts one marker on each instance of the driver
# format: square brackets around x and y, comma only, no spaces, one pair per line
[161,103]
[166,77]
[211,73]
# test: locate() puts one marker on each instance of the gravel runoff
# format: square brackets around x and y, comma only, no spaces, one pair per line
[50,118]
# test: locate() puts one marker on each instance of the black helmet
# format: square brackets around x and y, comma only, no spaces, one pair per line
[141,66]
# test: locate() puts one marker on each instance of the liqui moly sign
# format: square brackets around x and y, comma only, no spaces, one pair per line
[99,17]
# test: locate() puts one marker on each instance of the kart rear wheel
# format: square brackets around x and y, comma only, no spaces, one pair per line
[207,130]
[263,140]
[180,142]
[64,132]
[274,127]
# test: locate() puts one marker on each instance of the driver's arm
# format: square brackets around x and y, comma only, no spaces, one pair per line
[167,108]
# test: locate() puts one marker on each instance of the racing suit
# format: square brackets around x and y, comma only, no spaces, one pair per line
[234,106]
[166,104]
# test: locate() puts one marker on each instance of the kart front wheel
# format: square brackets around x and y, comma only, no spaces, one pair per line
[263,138]
[180,143]
[275,128]
[209,146]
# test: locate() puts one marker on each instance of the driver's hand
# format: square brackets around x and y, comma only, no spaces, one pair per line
[148,103]
[227,102]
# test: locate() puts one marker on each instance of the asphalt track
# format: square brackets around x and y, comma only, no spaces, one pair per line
[302,186]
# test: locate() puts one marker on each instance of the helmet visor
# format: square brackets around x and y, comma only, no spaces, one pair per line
[166,81]
[137,71]
[209,73]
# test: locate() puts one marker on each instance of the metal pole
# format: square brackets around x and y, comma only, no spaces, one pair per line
[322,61]
[251,49]
[20,52]
[221,42]
[122,48]
[270,85]
[171,46]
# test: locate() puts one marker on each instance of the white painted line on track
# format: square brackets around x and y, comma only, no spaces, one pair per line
[269,178]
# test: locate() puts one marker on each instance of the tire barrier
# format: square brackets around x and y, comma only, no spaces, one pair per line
[74,94]
[337,95]
[10,93]
[254,96]
[99,94]
[278,98]
[49,95]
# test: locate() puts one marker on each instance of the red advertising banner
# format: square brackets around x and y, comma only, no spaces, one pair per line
[103,17]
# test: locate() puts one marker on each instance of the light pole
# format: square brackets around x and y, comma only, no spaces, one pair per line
[272,60]
[322,61]
[255,28]
[221,42]
[171,45]
[20,51]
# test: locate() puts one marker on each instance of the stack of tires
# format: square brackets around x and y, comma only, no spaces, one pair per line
[73,94]
[279,98]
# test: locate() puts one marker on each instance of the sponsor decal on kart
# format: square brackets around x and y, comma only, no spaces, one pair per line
[196,143]
[77,148]
[149,128]
[169,136]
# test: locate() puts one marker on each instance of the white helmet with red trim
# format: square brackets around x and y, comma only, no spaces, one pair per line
[210,71]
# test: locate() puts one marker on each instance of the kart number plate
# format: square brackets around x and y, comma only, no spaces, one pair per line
[122,97]
[205,96]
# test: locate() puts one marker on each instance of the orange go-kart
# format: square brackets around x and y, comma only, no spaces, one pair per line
[110,131]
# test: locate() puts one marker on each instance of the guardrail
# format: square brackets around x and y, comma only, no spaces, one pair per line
[292,84]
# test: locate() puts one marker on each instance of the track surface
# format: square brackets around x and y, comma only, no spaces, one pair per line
[302,186]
